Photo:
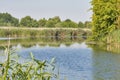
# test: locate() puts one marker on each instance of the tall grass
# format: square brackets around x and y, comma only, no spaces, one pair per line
[40,33]
[114,37]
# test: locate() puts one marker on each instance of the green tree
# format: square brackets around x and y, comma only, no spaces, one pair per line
[42,22]
[105,14]
[59,24]
[35,23]
[7,20]
[68,23]
[118,19]
[28,22]
[81,25]
[50,23]
[56,19]
[88,24]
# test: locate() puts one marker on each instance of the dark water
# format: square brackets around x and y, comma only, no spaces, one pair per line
[76,61]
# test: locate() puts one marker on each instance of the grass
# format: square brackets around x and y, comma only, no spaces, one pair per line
[114,37]
[21,32]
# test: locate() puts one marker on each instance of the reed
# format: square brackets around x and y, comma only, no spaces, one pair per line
[13,69]
[19,32]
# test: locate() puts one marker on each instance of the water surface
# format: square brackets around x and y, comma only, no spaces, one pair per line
[75,61]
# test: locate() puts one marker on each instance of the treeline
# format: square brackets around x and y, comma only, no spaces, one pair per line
[106,17]
[7,20]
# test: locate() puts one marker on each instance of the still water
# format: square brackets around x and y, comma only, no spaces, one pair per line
[75,61]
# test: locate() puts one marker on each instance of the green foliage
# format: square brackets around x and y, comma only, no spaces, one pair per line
[7,20]
[56,19]
[50,23]
[35,23]
[113,37]
[81,25]
[42,22]
[28,22]
[56,22]
[33,69]
[105,14]
[88,24]
[51,33]
[68,23]
[53,21]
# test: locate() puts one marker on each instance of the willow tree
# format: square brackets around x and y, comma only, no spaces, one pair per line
[105,17]
[118,19]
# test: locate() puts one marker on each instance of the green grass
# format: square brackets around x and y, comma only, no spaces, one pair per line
[19,32]
[114,37]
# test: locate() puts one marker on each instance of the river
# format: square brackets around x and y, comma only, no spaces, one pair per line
[75,60]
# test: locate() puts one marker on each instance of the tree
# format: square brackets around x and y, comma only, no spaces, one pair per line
[35,23]
[28,22]
[56,19]
[105,14]
[68,23]
[59,24]
[7,20]
[88,24]
[42,22]
[50,23]
[118,19]
[81,25]
[53,21]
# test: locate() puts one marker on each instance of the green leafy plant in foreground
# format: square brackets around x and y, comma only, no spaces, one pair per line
[33,69]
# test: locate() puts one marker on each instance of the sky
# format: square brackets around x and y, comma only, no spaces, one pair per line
[76,10]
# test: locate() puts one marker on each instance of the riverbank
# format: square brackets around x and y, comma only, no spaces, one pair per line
[41,32]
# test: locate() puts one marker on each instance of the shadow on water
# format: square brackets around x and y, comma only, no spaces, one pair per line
[105,62]
[111,48]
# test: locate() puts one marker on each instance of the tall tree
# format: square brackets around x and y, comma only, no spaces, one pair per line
[88,24]
[81,25]
[50,23]
[53,21]
[42,22]
[105,14]
[28,22]
[7,20]
[68,23]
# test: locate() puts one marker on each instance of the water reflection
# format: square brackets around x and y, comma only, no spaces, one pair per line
[106,64]
[73,62]
[113,48]
[29,42]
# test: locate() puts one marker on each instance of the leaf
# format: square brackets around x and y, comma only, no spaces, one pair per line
[52,61]
[32,56]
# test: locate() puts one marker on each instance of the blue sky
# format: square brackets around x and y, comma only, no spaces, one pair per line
[76,10]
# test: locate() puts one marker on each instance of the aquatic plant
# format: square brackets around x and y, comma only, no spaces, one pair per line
[13,69]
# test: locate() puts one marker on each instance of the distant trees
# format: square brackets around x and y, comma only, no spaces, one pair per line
[68,23]
[81,24]
[29,22]
[88,24]
[53,21]
[42,22]
[7,20]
